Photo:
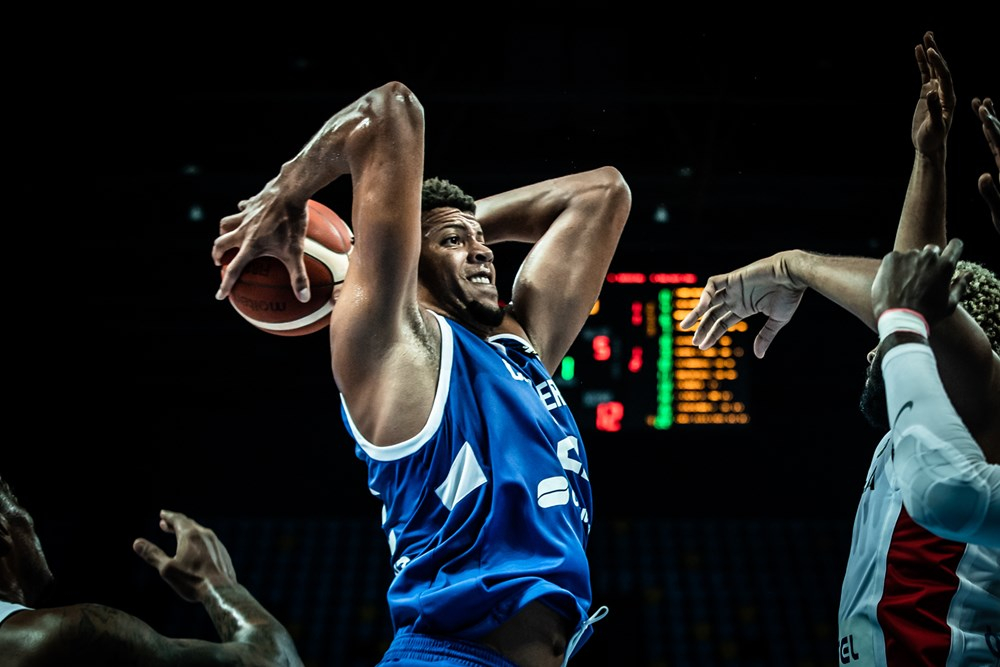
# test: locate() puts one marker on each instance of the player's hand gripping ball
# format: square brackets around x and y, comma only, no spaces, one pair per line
[263,293]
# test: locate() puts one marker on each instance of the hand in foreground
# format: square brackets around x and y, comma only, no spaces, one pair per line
[760,287]
[263,226]
[920,280]
[989,187]
[202,562]
[935,108]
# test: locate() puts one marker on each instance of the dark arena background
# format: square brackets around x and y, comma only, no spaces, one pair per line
[716,540]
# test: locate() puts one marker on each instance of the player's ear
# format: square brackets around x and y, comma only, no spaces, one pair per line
[5,537]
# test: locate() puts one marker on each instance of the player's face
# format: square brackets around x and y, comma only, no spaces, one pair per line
[456,268]
[873,402]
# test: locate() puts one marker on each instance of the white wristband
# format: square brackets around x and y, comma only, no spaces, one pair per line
[902,319]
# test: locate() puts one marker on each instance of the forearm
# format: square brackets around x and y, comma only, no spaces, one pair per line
[344,144]
[238,617]
[970,371]
[525,214]
[948,487]
[922,219]
[847,281]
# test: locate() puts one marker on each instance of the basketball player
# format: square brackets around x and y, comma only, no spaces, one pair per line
[910,597]
[94,634]
[471,450]
[947,485]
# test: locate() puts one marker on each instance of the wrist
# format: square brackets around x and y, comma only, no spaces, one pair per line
[902,320]
[934,157]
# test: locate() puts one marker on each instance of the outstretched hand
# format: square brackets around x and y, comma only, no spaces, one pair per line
[935,108]
[263,226]
[989,187]
[202,561]
[727,299]
[921,280]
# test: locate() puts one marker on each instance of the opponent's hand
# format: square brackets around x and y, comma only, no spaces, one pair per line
[202,560]
[935,108]
[989,187]
[920,280]
[263,226]
[760,287]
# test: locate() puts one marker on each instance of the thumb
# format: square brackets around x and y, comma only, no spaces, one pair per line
[766,335]
[149,552]
[934,106]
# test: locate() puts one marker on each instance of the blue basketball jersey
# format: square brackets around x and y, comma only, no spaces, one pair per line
[489,507]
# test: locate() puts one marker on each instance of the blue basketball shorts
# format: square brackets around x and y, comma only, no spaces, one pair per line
[416,650]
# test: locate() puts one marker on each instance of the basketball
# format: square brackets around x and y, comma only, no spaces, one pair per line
[263,293]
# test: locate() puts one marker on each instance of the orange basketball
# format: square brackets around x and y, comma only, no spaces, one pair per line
[263,293]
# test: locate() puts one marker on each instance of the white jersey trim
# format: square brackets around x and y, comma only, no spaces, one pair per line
[9,608]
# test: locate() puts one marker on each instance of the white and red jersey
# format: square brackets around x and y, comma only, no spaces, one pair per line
[909,597]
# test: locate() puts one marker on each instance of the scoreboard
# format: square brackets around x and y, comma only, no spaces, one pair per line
[632,368]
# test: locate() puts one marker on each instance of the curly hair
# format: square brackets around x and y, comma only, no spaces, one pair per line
[982,299]
[438,192]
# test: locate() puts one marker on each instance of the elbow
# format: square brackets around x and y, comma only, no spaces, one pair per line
[394,105]
[615,183]
[617,194]
[952,509]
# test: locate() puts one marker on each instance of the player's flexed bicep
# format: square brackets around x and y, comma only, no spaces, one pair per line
[575,223]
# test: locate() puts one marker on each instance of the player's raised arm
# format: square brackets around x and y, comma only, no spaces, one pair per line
[574,223]
[273,221]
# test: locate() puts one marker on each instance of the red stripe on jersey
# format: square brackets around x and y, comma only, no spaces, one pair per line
[920,582]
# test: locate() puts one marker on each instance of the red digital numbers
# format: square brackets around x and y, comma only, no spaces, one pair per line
[609,416]
[602,348]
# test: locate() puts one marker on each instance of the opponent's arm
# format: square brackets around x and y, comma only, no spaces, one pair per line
[948,485]
[201,571]
[574,223]
[774,287]
[923,216]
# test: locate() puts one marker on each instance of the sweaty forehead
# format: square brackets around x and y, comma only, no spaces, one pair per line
[446,216]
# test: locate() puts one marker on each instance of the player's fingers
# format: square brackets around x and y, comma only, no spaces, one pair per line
[299,278]
[991,195]
[695,313]
[943,75]
[953,251]
[990,115]
[957,290]
[766,336]
[230,222]
[934,106]
[704,303]
[224,243]
[172,522]
[232,273]
[149,552]
[715,324]
[701,332]
[925,72]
